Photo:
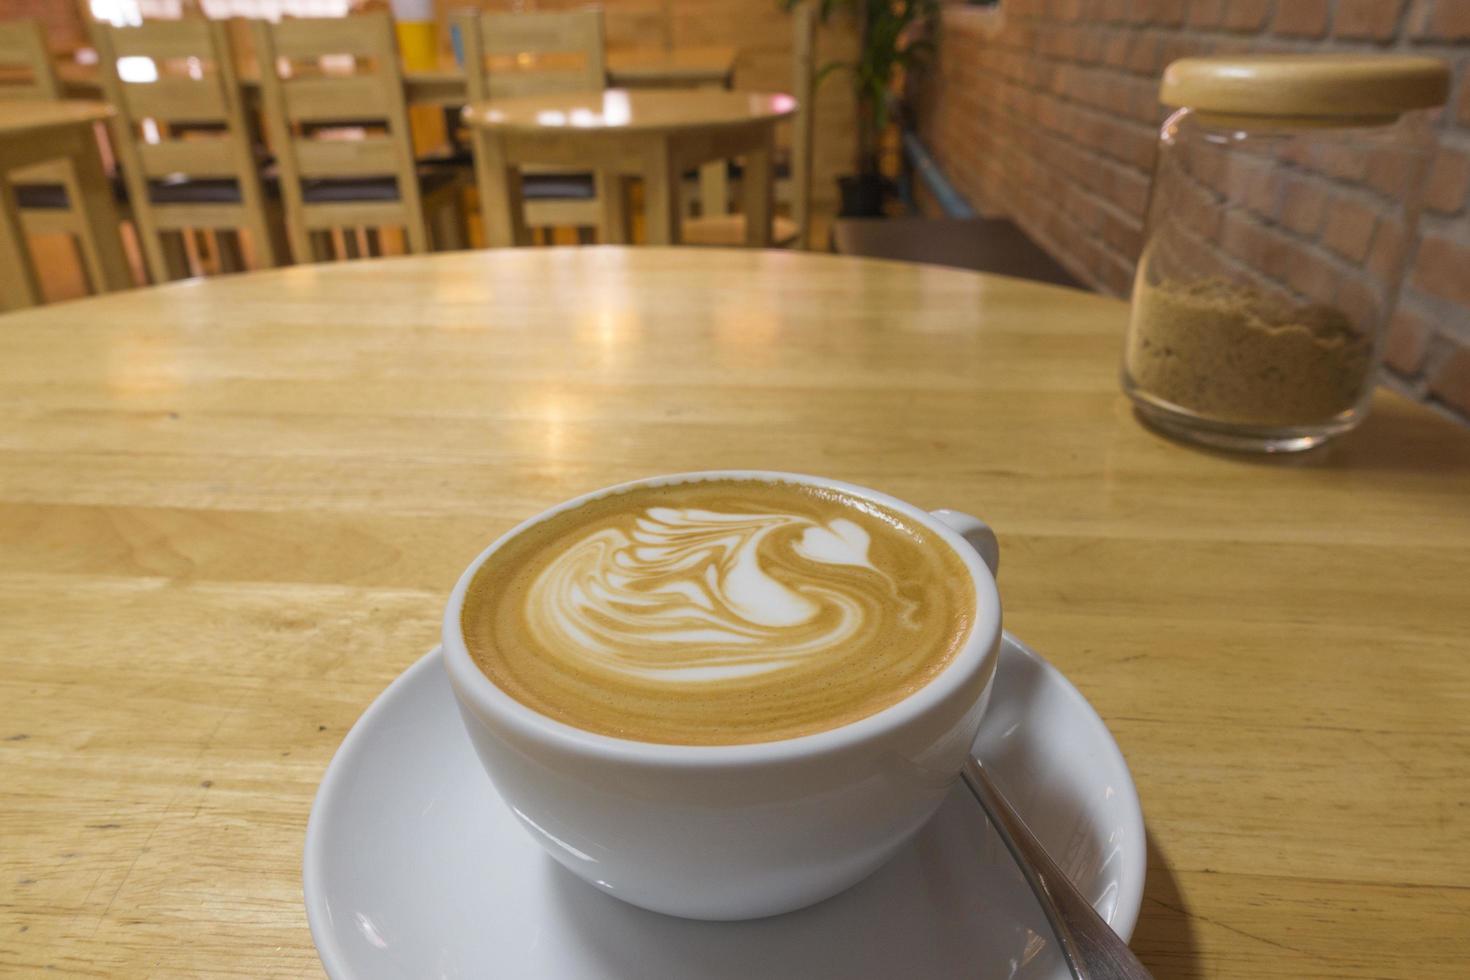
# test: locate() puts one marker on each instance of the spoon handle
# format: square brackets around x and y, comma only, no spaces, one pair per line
[1091,948]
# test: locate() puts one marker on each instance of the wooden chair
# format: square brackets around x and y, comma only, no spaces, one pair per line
[569,47]
[47,194]
[361,175]
[794,186]
[185,146]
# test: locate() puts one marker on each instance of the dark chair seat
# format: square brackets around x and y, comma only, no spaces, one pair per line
[353,189]
[558,187]
[983,244]
[214,190]
[52,197]
[41,197]
[534,186]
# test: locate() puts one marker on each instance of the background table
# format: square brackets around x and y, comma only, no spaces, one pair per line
[656,135]
[232,511]
[33,132]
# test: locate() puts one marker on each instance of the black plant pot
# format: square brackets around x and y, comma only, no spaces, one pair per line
[862,195]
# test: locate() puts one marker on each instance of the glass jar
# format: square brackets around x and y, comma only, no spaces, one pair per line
[1283,207]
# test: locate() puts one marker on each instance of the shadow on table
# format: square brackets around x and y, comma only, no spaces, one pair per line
[1398,437]
[1164,938]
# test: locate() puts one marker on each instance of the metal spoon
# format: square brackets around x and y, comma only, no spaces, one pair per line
[1091,948]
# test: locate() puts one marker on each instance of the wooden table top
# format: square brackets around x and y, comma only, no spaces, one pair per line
[232,511]
[631,110]
[20,117]
[444,84]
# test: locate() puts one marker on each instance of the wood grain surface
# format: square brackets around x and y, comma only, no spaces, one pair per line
[231,511]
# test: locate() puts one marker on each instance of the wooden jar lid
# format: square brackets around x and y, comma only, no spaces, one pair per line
[1306,85]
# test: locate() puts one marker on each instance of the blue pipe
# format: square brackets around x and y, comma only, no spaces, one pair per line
[944,192]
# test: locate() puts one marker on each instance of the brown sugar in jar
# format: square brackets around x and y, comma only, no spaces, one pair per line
[1226,352]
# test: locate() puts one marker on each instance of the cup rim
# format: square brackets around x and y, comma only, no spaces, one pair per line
[978,651]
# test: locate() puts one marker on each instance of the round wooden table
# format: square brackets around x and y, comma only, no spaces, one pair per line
[59,134]
[232,510]
[654,134]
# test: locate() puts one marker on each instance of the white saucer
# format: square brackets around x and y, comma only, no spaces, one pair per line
[414,867]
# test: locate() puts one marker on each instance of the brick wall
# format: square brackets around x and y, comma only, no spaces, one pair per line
[1046,111]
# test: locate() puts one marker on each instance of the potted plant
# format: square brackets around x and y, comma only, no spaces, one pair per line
[892,35]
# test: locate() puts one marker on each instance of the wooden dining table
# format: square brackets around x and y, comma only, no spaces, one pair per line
[232,511]
[618,133]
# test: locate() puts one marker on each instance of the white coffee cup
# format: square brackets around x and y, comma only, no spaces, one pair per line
[736,831]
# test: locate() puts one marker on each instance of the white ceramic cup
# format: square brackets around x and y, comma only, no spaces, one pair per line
[736,831]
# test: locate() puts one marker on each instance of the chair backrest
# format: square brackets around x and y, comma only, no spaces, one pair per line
[184,118]
[26,71]
[533,53]
[319,76]
[804,88]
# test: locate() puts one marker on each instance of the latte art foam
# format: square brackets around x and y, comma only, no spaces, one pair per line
[718,612]
[693,596]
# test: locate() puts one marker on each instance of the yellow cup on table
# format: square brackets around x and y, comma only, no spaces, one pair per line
[418,38]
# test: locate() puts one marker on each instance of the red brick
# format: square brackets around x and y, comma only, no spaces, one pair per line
[1451,383]
[1373,20]
[1390,172]
[1407,342]
[1308,272]
[1206,13]
[1128,191]
[1449,21]
[1361,299]
[1449,181]
[1349,229]
[1144,54]
[1168,13]
[1390,248]
[1247,239]
[1116,274]
[1301,18]
[1246,15]
[1304,205]
[1124,234]
[1443,268]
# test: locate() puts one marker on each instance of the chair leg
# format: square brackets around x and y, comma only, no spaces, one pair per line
[447,219]
[227,247]
[612,192]
[305,245]
[173,256]
[263,242]
[317,247]
[87,253]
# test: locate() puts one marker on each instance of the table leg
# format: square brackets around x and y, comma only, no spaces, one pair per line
[613,193]
[99,213]
[22,288]
[757,187]
[501,205]
[714,185]
[661,191]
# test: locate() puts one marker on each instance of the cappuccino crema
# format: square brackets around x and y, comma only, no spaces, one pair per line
[718,611]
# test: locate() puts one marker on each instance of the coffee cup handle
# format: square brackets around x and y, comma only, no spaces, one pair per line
[976,532]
